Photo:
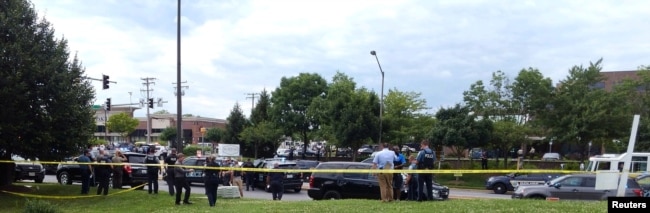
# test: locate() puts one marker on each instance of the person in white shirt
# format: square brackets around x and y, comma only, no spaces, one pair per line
[384,161]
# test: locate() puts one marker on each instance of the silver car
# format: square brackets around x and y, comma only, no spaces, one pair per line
[574,187]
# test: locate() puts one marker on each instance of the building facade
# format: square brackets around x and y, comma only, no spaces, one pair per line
[191,126]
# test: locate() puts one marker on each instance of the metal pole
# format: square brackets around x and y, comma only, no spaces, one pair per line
[628,158]
[179,109]
[148,115]
[381,104]
[106,123]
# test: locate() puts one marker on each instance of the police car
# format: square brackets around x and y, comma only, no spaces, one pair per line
[502,184]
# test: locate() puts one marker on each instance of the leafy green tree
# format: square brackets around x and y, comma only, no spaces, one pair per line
[235,125]
[214,134]
[458,128]
[168,134]
[635,95]
[350,113]
[46,103]
[261,111]
[506,134]
[400,111]
[262,132]
[291,101]
[123,124]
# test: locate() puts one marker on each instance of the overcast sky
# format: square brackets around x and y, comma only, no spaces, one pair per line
[234,47]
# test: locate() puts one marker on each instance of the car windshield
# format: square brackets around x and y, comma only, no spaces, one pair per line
[556,180]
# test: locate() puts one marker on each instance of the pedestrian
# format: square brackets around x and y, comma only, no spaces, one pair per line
[412,180]
[225,174]
[86,170]
[383,160]
[249,175]
[274,182]
[170,160]
[398,180]
[103,172]
[153,168]
[236,178]
[484,160]
[118,169]
[425,160]
[211,180]
[180,182]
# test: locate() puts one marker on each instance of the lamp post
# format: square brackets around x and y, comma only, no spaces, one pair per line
[381,105]
[203,131]
[589,151]
[550,145]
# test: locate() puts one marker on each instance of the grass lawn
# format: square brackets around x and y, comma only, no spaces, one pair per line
[140,201]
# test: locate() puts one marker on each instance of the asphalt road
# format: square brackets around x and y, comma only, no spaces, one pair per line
[198,192]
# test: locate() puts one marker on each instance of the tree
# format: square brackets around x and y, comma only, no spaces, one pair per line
[46,104]
[261,111]
[291,101]
[160,112]
[636,95]
[123,124]
[505,135]
[262,132]
[400,111]
[168,134]
[350,113]
[235,125]
[214,134]
[459,128]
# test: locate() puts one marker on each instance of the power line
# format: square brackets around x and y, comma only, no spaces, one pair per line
[147,82]
[252,97]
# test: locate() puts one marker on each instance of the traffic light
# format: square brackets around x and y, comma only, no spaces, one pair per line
[151,103]
[105,81]
[108,104]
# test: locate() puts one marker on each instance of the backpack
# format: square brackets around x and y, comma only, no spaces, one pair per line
[429,158]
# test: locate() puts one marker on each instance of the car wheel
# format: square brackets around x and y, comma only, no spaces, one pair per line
[64,178]
[331,195]
[297,190]
[39,180]
[500,188]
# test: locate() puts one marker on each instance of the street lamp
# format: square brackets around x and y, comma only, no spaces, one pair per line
[550,145]
[203,131]
[589,152]
[381,105]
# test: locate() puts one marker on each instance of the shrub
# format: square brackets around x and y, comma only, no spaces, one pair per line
[191,150]
[40,206]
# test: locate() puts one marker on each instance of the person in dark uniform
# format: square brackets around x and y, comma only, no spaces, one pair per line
[103,172]
[274,181]
[425,161]
[484,160]
[249,175]
[398,181]
[86,170]
[211,180]
[170,160]
[152,171]
[180,182]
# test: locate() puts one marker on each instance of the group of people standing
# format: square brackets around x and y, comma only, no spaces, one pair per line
[100,169]
[420,186]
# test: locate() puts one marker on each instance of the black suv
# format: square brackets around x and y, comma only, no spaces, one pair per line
[292,181]
[354,185]
[135,172]
[31,170]
[502,184]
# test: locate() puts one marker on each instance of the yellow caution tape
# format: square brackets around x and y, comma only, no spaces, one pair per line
[447,171]
[68,197]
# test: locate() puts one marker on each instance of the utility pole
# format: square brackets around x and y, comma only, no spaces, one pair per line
[252,96]
[148,81]
[179,91]
[179,103]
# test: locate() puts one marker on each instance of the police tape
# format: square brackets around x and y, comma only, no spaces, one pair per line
[312,170]
[68,197]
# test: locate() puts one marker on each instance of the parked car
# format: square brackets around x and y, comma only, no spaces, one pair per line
[281,152]
[502,184]
[354,185]
[197,175]
[292,181]
[644,182]
[574,187]
[135,173]
[306,165]
[367,149]
[343,152]
[28,170]
[551,156]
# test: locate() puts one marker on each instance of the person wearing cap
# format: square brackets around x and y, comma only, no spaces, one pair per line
[86,171]
[274,182]
[153,166]
[236,179]
[170,160]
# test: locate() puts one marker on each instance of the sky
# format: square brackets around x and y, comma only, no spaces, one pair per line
[230,48]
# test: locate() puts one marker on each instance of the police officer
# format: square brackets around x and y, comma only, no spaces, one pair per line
[170,160]
[103,172]
[86,170]
[152,171]
[249,175]
[274,182]
[425,161]
[211,180]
